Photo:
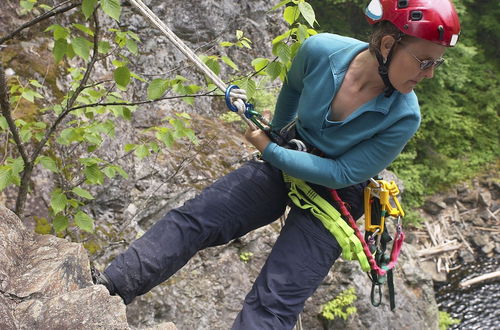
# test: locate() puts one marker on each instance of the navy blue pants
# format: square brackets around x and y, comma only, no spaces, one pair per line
[248,198]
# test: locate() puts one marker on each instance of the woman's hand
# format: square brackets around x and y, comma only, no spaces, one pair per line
[257,137]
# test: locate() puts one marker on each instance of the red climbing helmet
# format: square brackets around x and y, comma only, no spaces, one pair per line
[433,20]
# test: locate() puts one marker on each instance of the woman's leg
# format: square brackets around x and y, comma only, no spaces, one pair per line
[300,259]
[246,199]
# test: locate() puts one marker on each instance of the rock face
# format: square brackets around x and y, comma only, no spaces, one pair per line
[45,283]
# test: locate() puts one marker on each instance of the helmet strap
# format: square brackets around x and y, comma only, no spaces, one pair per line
[383,71]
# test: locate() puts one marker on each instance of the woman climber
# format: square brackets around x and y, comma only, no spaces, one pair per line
[354,103]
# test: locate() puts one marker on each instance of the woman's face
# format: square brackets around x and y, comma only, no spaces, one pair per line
[405,70]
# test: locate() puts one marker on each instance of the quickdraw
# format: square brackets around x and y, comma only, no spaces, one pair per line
[375,213]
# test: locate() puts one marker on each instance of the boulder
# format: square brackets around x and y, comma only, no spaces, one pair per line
[45,283]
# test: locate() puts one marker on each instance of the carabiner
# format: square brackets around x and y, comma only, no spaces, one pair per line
[229,104]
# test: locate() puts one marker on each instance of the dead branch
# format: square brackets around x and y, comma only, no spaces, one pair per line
[495,230]
[479,279]
[447,247]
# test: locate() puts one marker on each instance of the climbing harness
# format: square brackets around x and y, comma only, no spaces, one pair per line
[368,250]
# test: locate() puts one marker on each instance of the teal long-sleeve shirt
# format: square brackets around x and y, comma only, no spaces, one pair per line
[355,149]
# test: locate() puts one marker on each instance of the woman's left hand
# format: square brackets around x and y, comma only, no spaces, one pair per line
[258,138]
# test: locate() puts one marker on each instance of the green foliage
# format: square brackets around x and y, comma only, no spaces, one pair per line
[246,256]
[69,130]
[445,321]
[341,306]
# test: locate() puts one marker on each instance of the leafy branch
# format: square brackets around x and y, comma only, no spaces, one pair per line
[53,12]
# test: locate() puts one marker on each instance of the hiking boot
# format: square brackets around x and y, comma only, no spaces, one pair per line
[101,278]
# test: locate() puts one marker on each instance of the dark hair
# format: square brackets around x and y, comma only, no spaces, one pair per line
[380,30]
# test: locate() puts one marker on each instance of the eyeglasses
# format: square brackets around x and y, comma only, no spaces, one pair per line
[426,64]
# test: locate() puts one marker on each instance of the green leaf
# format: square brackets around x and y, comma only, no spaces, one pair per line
[3,123]
[282,51]
[274,70]
[60,223]
[109,171]
[260,63]
[82,193]
[17,165]
[35,83]
[88,7]
[58,31]
[48,163]
[225,44]
[84,29]
[141,151]
[103,47]
[58,201]
[127,113]
[112,8]
[246,43]
[129,147]
[84,222]
[60,47]
[302,33]
[137,77]
[212,64]
[229,62]
[157,88]
[131,46]
[248,85]
[81,46]
[5,177]
[283,36]
[70,135]
[308,12]
[282,3]
[166,137]
[122,76]
[121,171]
[291,14]
[93,174]
[25,134]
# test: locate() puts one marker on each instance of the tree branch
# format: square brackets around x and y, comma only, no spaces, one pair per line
[40,18]
[141,102]
[4,104]
[26,177]
[77,92]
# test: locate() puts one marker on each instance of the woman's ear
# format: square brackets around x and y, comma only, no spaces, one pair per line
[386,44]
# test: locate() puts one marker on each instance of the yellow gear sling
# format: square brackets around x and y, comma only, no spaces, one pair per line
[303,196]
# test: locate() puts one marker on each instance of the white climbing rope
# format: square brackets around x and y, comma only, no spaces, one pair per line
[238,96]
[178,43]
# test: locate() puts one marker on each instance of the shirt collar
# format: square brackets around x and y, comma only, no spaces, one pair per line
[339,62]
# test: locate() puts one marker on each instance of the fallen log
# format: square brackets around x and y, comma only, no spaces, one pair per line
[479,279]
[439,249]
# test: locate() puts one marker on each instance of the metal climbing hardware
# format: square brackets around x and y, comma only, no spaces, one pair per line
[251,116]
[368,250]
[385,192]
